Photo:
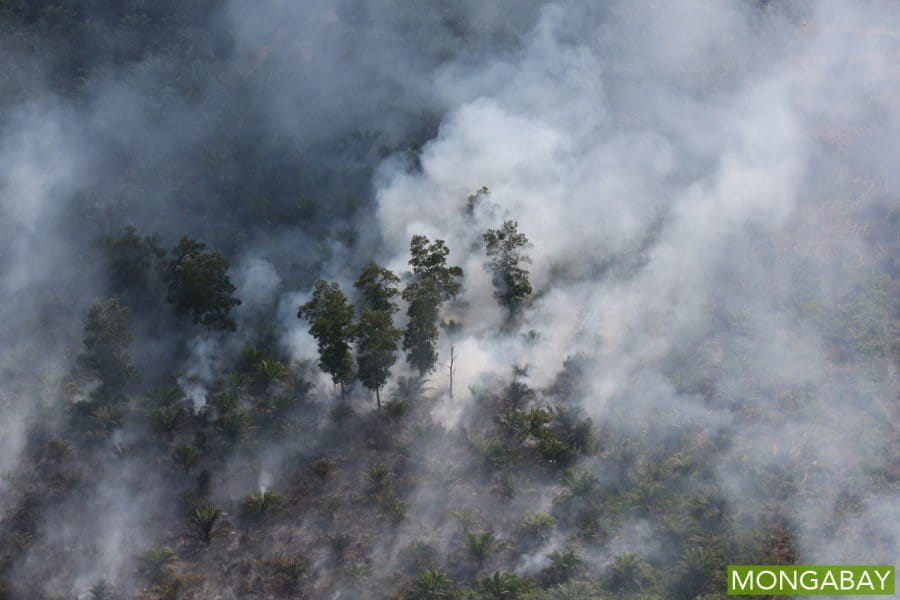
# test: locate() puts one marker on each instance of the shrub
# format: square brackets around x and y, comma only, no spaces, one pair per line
[563,565]
[234,425]
[261,503]
[379,474]
[555,452]
[203,521]
[322,469]
[153,562]
[431,585]
[419,555]
[186,456]
[508,485]
[106,418]
[580,484]
[395,511]
[504,586]
[100,591]
[167,418]
[396,409]
[628,573]
[287,571]
[330,505]
[538,524]
[494,451]
[271,370]
[223,402]
[480,545]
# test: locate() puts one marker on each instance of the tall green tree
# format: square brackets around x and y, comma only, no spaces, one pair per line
[106,344]
[505,248]
[431,284]
[377,340]
[378,287]
[198,284]
[330,318]
[130,260]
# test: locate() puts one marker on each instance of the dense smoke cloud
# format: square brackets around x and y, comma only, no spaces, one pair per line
[707,188]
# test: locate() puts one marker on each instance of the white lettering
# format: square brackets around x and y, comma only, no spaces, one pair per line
[736,583]
[882,578]
[829,581]
[759,583]
[806,584]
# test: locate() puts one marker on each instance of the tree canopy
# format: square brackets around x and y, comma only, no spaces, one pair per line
[330,318]
[505,251]
[106,343]
[431,283]
[198,284]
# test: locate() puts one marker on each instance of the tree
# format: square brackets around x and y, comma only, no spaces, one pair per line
[130,258]
[106,343]
[378,287]
[376,337]
[431,284]
[377,343]
[198,283]
[330,318]
[505,250]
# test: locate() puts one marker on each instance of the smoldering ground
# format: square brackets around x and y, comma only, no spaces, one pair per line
[708,193]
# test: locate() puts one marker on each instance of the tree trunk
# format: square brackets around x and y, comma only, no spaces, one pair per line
[378,397]
[452,358]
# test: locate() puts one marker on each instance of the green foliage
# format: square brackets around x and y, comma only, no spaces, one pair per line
[538,525]
[340,411]
[481,545]
[130,261]
[330,318]
[495,452]
[202,521]
[378,287]
[563,565]
[504,247]
[504,586]
[261,503]
[223,401]
[234,425]
[507,485]
[271,370]
[396,409]
[198,284]
[377,341]
[580,484]
[431,284]
[101,591]
[168,418]
[629,573]
[106,343]
[186,456]
[286,572]
[154,561]
[467,517]
[395,511]
[105,419]
[379,475]
[430,585]
[579,590]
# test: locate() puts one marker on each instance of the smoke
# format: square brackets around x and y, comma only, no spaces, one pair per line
[705,152]
[708,191]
